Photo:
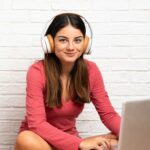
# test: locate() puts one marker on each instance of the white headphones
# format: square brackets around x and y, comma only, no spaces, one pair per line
[48,42]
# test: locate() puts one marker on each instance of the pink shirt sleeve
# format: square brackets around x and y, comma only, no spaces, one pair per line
[36,115]
[101,101]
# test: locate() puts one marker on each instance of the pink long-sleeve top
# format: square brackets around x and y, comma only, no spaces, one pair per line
[57,125]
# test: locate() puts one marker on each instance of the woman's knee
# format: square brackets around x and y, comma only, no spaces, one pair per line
[28,140]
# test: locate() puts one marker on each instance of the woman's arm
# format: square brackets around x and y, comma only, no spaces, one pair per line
[101,101]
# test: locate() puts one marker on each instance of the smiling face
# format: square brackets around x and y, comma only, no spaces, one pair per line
[69,44]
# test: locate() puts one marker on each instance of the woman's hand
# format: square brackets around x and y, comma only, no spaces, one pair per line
[113,139]
[109,136]
[95,143]
[99,142]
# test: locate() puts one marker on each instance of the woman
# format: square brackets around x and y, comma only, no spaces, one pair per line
[57,89]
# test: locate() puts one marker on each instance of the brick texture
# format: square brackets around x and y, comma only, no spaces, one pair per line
[121,49]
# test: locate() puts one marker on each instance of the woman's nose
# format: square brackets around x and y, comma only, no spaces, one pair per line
[70,45]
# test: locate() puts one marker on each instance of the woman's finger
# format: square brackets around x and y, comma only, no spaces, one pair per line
[106,144]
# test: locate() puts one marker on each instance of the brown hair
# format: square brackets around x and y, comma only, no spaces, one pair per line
[79,81]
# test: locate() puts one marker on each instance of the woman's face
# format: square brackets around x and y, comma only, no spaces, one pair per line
[69,44]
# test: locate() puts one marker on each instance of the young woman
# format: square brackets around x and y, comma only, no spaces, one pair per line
[57,89]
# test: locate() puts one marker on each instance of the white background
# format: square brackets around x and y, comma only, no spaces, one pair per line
[121,48]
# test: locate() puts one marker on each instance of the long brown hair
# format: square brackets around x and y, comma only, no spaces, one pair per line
[79,81]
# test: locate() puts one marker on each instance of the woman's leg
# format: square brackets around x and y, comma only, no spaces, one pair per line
[28,140]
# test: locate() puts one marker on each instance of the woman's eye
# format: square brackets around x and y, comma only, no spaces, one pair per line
[62,40]
[78,40]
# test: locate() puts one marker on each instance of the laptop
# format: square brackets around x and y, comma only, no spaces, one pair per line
[135,126]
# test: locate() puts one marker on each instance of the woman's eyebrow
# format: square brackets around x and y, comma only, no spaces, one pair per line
[79,37]
[61,36]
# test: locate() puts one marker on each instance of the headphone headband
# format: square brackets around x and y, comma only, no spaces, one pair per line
[88,50]
[48,43]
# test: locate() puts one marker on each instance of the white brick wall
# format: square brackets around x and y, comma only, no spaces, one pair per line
[121,48]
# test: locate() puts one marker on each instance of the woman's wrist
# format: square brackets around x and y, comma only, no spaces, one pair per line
[81,145]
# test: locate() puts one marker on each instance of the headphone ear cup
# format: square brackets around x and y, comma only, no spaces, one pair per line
[48,44]
[87,43]
[51,43]
[44,45]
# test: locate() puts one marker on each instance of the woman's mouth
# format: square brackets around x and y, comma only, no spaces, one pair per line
[70,54]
